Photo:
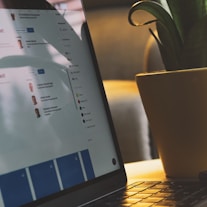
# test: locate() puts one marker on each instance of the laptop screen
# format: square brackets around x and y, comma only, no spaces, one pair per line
[54,128]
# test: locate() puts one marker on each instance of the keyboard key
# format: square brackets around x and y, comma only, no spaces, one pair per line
[152,200]
[142,205]
[140,196]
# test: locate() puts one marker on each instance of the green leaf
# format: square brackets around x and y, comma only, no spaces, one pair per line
[195,47]
[170,42]
[152,7]
[170,57]
[165,5]
[186,13]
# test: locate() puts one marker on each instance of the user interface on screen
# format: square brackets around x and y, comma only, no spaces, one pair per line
[54,132]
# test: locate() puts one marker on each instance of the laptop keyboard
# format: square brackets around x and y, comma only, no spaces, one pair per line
[156,193]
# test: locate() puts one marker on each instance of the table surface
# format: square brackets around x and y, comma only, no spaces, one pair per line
[145,170]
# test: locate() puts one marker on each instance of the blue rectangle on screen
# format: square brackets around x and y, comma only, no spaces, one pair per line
[87,164]
[44,179]
[41,71]
[70,170]
[15,188]
[30,29]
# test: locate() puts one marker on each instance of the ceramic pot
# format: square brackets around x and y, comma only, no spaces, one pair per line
[176,106]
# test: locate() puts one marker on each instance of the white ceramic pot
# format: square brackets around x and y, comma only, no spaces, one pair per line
[176,106]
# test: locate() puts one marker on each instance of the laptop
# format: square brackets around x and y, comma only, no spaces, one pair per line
[58,146]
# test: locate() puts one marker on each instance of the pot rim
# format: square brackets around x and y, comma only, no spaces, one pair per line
[165,72]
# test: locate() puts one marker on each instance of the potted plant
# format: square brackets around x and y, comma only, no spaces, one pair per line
[175,100]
